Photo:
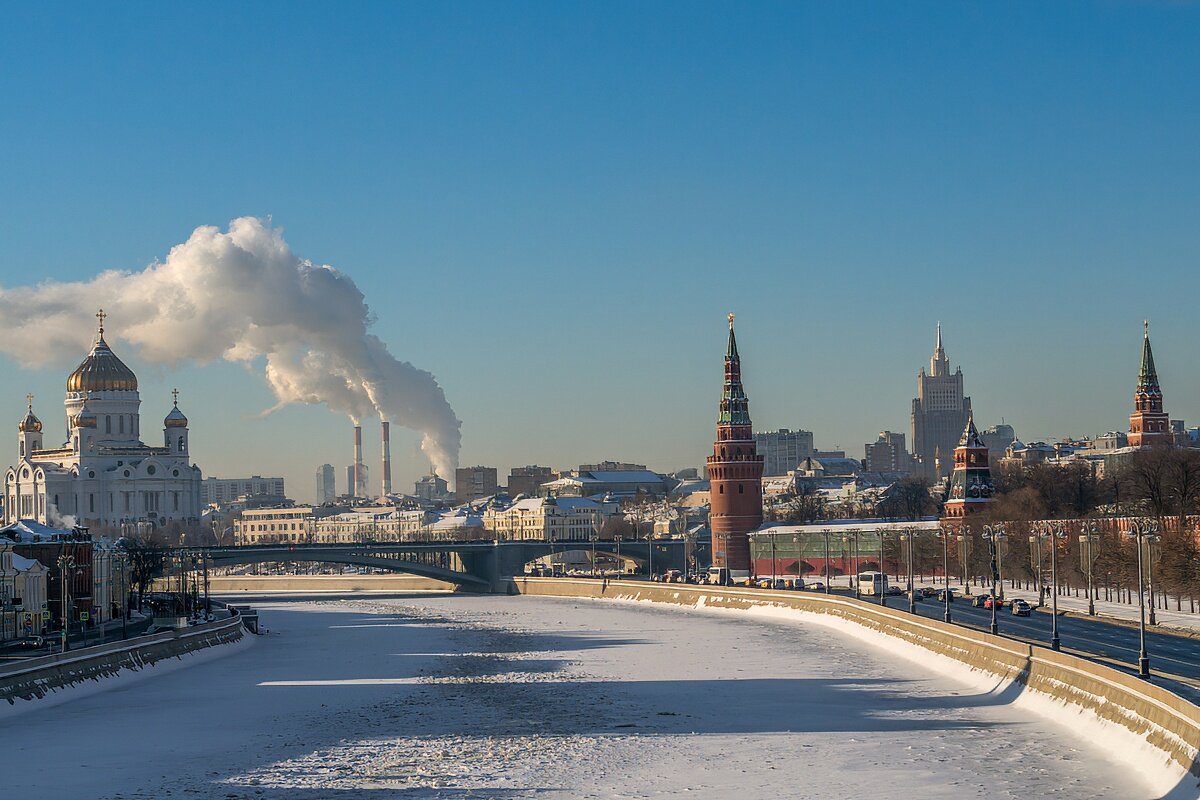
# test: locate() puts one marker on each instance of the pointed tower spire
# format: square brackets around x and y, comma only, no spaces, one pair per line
[940,364]
[1149,424]
[735,473]
[1148,375]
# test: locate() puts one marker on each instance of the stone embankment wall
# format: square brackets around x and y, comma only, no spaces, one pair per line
[1160,717]
[36,677]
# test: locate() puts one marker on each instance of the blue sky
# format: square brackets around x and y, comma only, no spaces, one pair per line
[552,206]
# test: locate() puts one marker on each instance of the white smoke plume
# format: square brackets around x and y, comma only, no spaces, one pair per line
[243,296]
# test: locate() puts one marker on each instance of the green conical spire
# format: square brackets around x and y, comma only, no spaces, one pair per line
[1148,377]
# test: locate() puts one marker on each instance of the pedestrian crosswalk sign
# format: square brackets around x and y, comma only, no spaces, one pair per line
[83,615]
[45,615]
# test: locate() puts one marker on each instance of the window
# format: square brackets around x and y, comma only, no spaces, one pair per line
[181,444]
[741,489]
[91,503]
[107,424]
[722,490]
[175,500]
[121,423]
[22,449]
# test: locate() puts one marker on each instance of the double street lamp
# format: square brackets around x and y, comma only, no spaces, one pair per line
[66,567]
[1087,545]
[906,541]
[1054,533]
[994,535]
[945,533]
[1142,530]
[854,555]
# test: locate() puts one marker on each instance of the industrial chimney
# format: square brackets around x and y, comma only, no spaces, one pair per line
[358,462]
[387,458]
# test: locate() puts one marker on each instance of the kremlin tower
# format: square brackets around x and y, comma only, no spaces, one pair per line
[971,481]
[1149,425]
[735,473]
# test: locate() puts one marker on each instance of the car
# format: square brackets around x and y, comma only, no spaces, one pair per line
[989,600]
[894,591]
[978,601]
[1020,608]
[816,586]
[764,583]
[780,583]
[916,594]
[32,643]
[929,591]
[941,595]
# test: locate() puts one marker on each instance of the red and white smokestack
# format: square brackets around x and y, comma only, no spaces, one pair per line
[358,462]
[387,458]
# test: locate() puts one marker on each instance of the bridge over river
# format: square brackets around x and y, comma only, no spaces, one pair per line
[473,565]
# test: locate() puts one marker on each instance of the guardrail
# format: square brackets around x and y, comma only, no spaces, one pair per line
[1163,719]
[36,677]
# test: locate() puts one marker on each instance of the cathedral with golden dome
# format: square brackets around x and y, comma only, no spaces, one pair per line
[103,476]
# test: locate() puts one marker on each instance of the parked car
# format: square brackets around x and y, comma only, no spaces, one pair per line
[1020,608]
[816,586]
[894,591]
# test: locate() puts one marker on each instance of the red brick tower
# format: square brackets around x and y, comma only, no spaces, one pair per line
[735,473]
[1149,425]
[971,482]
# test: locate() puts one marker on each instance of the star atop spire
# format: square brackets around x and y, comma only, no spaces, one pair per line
[731,352]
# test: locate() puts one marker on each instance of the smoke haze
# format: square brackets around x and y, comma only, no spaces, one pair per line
[242,296]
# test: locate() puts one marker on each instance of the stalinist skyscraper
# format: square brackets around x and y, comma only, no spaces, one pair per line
[939,411]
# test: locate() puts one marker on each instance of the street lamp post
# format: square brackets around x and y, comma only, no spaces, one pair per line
[945,534]
[66,566]
[882,573]
[828,577]
[1053,533]
[774,562]
[1088,543]
[994,534]
[1150,540]
[1041,583]
[906,543]
[851,539]
[1141,530]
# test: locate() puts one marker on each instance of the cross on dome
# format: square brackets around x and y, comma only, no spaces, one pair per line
[100,315]
[175,397]
[29,398]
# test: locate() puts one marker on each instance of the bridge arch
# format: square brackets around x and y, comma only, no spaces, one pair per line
[237,556]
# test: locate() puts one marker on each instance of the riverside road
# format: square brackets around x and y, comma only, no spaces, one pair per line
[1174,660]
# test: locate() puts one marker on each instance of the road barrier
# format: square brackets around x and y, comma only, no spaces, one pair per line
[36,677]
[1162,718]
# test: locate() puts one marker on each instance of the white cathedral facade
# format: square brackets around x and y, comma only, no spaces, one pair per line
[103,476]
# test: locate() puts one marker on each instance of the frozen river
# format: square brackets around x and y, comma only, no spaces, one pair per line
[457,696]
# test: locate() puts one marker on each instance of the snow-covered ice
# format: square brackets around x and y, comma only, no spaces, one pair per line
[459,696]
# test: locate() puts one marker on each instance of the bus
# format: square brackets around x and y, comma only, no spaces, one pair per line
[874,583]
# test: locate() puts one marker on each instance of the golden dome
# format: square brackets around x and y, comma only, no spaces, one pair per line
[84,419]
[175,418]
[102,371]
[30,423]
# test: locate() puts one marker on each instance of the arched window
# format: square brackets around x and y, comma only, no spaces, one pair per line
[107,423]
[22,449]
[741,488]
[120,423]
[722,490]
[181,444]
